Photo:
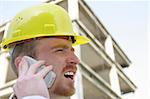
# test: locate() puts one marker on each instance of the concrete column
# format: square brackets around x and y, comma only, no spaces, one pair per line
[78,79]
[73,11]
[3,68]
[78,87]
[114,80]
[3,61]
[109,48]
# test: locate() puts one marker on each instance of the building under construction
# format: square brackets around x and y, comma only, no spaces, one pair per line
[100,73]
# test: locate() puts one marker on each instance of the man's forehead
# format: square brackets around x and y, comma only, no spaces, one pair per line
[54,40]
[62,37]
[69,38]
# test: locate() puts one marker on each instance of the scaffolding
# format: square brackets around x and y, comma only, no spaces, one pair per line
[100,74]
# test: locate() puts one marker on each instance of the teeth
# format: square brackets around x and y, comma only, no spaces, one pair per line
[69,73]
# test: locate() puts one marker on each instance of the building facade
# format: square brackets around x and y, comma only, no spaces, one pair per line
[100,74]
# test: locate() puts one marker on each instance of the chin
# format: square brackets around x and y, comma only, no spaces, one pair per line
[69,93]
[64,91]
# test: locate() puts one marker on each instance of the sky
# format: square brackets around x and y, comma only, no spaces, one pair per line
[127,22]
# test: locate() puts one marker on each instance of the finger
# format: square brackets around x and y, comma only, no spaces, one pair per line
[33,68]
[42,73]
[23,67]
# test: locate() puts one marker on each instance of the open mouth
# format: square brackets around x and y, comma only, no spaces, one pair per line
[69,74]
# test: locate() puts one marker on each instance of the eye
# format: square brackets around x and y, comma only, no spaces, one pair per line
[62,50]
[59,50]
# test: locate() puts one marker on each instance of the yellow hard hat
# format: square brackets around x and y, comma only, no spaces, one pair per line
[38,21]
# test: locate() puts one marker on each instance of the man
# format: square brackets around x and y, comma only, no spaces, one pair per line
[43,32]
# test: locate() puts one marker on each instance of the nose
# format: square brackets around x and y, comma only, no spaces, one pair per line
[72,59]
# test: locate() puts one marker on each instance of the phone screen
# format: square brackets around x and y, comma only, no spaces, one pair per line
[49,78]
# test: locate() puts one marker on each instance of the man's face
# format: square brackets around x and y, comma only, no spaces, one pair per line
[59,53]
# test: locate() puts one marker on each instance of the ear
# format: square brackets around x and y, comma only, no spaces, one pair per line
[17,61]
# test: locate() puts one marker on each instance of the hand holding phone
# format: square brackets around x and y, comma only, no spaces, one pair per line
[49,78]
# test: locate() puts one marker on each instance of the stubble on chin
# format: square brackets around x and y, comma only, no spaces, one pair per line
[61,87]
[63,92]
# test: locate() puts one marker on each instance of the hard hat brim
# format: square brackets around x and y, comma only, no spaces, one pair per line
[79,39]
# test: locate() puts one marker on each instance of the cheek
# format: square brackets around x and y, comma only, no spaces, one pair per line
[50,59]
[58,66]
[57,62]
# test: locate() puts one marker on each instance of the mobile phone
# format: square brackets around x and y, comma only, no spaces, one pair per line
[49,78]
